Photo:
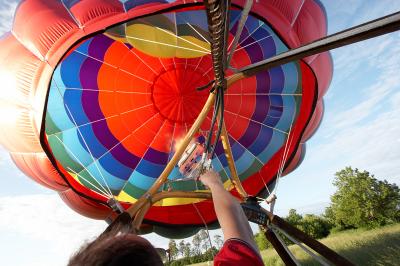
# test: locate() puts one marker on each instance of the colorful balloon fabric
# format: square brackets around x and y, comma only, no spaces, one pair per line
[102,92]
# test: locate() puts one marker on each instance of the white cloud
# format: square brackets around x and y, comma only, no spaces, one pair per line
[365,135]
[371,146]
[359,57]
[6,15]
[343,14]
[369,73]
[374,97]
[44,219]
[44,226]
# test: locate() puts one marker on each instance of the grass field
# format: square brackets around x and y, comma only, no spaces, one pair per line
[373,247]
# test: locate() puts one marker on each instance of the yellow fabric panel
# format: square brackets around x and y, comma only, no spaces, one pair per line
[116,38]
[124,197]
[164,44]
[186,41]
[177,201]
[75,177]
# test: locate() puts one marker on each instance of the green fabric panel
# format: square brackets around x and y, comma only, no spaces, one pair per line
[51,128]
[61,154]
[133,191]
[176,232]
[88,181]
[254,168]
[188,185]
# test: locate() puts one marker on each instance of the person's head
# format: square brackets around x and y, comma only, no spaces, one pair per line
[120,250]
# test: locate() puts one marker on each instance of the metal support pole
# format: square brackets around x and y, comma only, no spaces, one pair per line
[317,246]
[280,249]
[356,34]
[231,163]
[174,160]
[137,221]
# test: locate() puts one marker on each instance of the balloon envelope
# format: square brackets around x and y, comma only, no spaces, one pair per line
[107,108]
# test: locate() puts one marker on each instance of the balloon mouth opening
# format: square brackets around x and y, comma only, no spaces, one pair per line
[174,94]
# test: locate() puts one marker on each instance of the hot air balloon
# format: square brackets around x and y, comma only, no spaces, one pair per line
[98,95]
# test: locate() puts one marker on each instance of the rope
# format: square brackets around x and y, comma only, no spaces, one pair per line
[284,155]
[242,22]
[218,26]
[205,226]
[217,12]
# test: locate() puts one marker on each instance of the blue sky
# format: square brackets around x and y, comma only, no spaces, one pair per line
[361,128]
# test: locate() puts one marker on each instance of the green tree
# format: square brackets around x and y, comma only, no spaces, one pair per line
[187,250]
[218,241]
[181,248]
[196,241]
[294,218]
[173,250]
[261,240]
[205,245]
[315,226]
[363,201]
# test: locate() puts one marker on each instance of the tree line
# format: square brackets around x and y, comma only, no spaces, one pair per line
[360,201]
[200,250]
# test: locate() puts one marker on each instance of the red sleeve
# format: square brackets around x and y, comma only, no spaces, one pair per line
[237,252]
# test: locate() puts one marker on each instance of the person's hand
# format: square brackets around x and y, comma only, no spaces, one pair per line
[211,179]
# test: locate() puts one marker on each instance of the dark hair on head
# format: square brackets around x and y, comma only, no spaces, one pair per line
[116,249]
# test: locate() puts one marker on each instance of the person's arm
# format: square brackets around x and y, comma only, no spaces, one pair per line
[233,221]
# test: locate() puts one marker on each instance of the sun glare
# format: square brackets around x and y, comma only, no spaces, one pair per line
[8,89]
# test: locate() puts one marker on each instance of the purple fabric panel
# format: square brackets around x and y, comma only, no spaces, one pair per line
[251,134]
[99,46]
[90,102]
[261,110]
[156,157]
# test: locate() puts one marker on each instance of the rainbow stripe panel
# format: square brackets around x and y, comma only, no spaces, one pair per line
[120,102]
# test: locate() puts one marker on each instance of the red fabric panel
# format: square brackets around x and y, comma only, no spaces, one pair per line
[315,121]
[237,252]
[43,26]
[87,12]
[297,160]
[254,184]
[288,9]
[323,69]
[311,22]
[84,206]
[155,7]
[39,168]
[183,214]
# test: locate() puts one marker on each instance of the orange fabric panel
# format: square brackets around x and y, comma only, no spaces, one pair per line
[90,11]
[38,167]
[162,141]
[43,26]
[84,206]
[20,74]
